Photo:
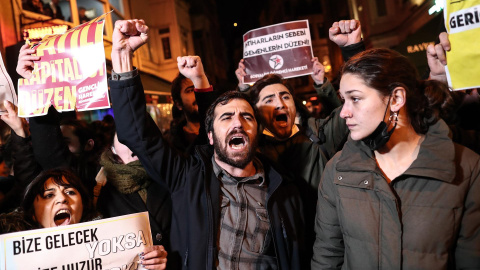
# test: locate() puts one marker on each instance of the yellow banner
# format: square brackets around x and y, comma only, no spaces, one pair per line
[462,21]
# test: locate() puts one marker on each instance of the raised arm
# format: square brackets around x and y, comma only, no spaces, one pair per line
[192,68]
[322,85]
[135,127]
[347,34]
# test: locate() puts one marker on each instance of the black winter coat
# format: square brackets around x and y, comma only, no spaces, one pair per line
[196,190]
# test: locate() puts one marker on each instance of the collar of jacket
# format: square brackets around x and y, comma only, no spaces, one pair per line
[267,133]
[435,159]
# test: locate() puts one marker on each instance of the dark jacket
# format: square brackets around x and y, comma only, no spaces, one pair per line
[196,190]
[112,203]
[302,160]
[426,218]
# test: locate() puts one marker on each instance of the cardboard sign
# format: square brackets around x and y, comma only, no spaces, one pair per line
[462,21]
[112,243]
[71,73]
[284,49]
[7,91]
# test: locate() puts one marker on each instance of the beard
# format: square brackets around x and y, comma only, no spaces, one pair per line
[237,160]
[192,116]
[191,113]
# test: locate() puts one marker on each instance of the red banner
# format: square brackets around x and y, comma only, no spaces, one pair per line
[71,73]
[284,49]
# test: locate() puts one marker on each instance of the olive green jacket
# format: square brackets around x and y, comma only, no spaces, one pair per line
[427,218]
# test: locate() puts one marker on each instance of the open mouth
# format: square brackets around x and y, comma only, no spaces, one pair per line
[236,142]
[282,119]
[62,217]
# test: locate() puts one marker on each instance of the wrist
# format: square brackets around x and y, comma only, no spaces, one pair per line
[122,61]
[201,82]
[20,132]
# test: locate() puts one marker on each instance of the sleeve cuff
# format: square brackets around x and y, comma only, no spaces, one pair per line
[204,90]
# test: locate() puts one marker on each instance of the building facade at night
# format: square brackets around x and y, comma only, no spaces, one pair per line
[171,35]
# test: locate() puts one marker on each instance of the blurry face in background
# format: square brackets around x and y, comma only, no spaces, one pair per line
[71,139]
[58,205]
[277,110]
[189,103]
[309,106]
[123,151]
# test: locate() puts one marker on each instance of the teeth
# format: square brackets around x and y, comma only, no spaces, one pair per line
[63,211]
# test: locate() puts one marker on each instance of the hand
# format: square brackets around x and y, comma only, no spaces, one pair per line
[154,257]
[192,68]
[345,33]
[437,59]
[12,120]
[240,73]
[318,75]
[128,36]
[25,61]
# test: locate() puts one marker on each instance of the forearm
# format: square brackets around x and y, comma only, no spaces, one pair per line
[351,50]
[49,147]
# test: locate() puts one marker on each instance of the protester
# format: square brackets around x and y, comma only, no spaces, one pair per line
[128,189]
[400,193]
[206,207]
[330,133]
[25,166]
[58,198]
[184,134]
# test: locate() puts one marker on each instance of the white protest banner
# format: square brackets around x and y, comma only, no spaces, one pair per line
[107,244]
[284,49]
[70,74]
[7,91]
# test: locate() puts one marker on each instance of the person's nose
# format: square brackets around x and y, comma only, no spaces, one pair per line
[345,112]
[61,198]
[237,121]
[279,103]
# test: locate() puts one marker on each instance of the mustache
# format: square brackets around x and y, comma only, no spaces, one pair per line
[236,132]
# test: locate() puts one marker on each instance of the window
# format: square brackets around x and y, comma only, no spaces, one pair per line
[164,34]
[118,10]
[89,9]
[167,53]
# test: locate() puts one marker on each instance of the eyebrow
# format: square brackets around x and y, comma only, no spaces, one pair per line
[232,113]
[351,91]
[272,95]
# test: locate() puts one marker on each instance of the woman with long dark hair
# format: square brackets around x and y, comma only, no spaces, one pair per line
[401,194]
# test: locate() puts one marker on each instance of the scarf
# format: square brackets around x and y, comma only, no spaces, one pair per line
[126,178]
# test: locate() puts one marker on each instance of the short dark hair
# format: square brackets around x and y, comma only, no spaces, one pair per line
[37,187]
[224,99]
[176,89]
[81,129]
[267,80]
[385,69]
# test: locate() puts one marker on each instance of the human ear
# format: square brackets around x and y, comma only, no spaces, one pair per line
[210,137]
[89,145]
[399,98]
[178,105]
